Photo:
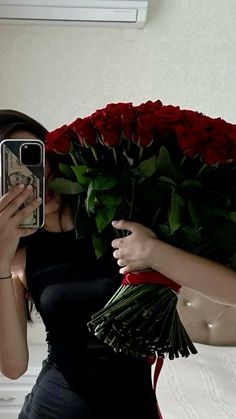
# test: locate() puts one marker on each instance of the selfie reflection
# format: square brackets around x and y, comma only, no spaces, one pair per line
[67,284]
[135,108]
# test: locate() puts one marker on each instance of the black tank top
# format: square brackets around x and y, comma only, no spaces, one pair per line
[68,284]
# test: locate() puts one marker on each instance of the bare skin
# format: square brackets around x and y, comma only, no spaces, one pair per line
[13,291]
[142,250]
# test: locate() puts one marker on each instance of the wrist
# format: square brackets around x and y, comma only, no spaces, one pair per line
[7,276]
[153,253]
[158,254]
[5,270]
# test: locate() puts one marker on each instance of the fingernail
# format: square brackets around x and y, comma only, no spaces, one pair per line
[39,199]
[114,223]
[28,187]
[20,186]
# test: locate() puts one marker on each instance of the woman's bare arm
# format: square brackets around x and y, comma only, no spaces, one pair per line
[13,327]
[142,250]
[13,336]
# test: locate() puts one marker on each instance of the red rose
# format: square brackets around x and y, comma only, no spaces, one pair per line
[232,137]
[169,115]
[108,123]
[145,130]
[84,130]
[118,108]
[219,133]
[191,140]
[148,107]
[193,118]
[218,147]
[126,116]
[59,140]
[128,122]
[140,123]
[211,156]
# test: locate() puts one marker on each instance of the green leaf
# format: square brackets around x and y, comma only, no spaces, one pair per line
[194,242]
[177,204]
[209,210]
[109,200]
[65,186]
[90,202]
[99,244]
[79,171]
[104,216]
[232,216]
[148,167]
[194,216]
[192,183]
[224,236]
[65,169]
[81,219]
[166,179]
[90,199]
[167,166]
[103,182]
[163,231]
[219,199]
[191,235]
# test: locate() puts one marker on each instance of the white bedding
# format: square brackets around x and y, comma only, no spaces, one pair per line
[202,386]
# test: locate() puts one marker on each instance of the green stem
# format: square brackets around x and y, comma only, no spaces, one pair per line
[94,153]
[114,155]
[156,215]
[140,152]
[182,161]
[73,158]
[201,170]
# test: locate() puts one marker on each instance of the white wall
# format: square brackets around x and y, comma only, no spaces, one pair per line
[185,55]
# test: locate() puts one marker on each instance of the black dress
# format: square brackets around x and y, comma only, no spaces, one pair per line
[82,378]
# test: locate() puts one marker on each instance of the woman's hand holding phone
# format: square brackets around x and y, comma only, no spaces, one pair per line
[23,162]
[11,216]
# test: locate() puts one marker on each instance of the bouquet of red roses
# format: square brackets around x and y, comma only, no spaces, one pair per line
[172,170]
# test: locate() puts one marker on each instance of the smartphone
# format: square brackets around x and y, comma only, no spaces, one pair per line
[23,161]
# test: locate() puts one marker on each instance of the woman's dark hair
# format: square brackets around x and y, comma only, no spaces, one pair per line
[10,122]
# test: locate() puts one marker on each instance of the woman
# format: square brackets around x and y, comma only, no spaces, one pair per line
[82,378]
[142,250]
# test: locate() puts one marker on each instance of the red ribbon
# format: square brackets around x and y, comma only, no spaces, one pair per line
[152,277]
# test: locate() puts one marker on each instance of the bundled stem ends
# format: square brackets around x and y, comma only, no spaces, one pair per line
[140,320]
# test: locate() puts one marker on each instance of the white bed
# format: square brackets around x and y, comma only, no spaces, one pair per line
[202,386]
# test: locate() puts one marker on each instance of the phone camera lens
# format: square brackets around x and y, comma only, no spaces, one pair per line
[31,154]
